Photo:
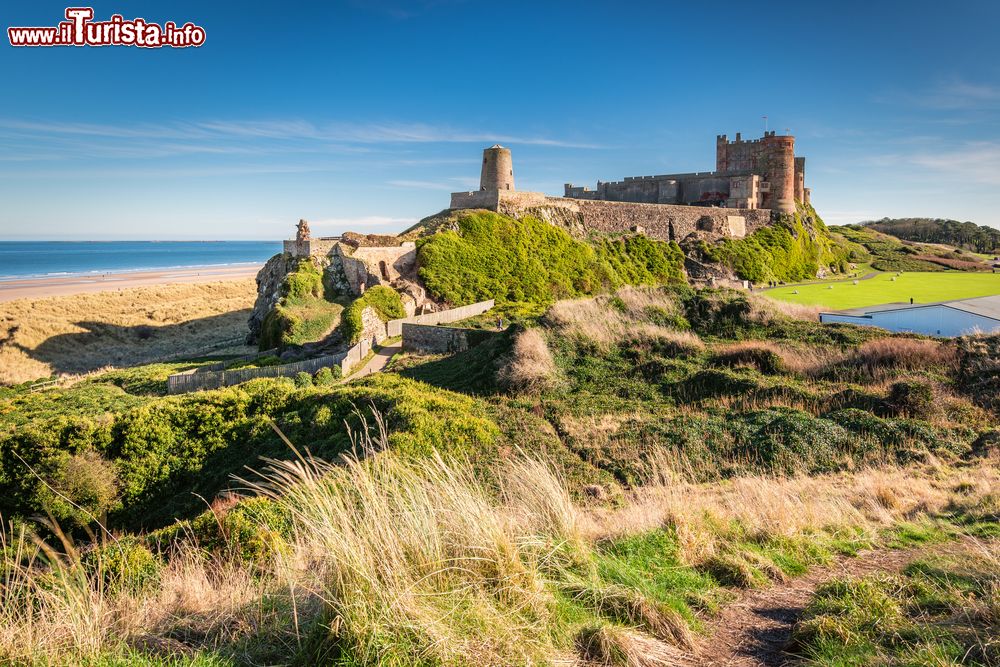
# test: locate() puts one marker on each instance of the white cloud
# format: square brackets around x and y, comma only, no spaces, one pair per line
[950,95]
[283,130]
[455,184]
[363,222]
[972,161]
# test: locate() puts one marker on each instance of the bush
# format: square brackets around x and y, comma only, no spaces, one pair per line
[761,355]
[492,256]
[124,565]
[303,379]
[912,398]
[530,367]
[386,303]
[305,282]
[82,489]
[327,376]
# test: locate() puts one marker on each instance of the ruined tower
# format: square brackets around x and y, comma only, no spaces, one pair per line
[498,169]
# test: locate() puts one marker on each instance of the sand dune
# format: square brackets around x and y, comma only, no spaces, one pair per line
[121,327]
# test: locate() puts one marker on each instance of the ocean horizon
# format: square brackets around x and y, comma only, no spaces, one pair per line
[49,259]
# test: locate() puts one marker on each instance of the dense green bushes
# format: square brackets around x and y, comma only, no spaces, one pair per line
[386,303]
[303,314]
[794,249]
[492,256]
[169,453]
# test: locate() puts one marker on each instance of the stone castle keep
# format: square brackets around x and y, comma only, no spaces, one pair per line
[753,181]
[761,173]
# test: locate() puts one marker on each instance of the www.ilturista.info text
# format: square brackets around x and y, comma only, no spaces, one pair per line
[81,30]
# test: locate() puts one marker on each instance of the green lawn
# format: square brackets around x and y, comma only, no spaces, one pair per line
[922,287]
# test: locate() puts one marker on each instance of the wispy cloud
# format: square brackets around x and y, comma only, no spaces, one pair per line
[454,184]
[948,95]
[975,161]
[283,130]
[364,222]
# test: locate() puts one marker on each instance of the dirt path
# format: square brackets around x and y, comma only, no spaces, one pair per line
[377,362]
[754,630]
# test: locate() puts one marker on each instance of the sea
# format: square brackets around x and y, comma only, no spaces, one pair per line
[40,259]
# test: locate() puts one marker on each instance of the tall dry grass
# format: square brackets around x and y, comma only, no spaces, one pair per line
[404,560]
[764,309]
[400,561]
[83,332]
[530,367]
[761,506]
[630,315]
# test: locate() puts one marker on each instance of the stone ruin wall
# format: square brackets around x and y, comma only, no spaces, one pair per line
[370,266]
[666,222]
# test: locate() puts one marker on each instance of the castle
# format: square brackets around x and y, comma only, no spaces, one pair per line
[753,182]
[760,173]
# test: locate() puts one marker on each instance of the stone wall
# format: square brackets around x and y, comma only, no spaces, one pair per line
[310,247]
[661,221]
[433,339]
[377,265]
[395,327]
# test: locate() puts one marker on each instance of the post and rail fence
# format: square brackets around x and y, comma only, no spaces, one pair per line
[217,376]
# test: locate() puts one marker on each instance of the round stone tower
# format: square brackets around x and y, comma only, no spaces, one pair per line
[779,166]
[498,169]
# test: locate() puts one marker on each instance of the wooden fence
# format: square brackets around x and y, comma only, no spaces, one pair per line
[215,376]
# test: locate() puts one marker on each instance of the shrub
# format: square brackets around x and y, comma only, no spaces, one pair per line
[305,282]
[124,564]
[386,303]
[912,398]
[492,256]
[530,367]
[327,376]
[303,379]
[765,357]
[82,488]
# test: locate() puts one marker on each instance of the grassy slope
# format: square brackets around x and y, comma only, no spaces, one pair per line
[941,609]
[922,287]
[639,404]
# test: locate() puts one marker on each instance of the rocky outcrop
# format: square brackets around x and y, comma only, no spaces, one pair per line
[269,281]
[372,325]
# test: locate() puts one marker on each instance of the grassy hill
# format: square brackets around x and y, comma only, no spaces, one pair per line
[884,252]
[965,235]
[595,483]
[574,488]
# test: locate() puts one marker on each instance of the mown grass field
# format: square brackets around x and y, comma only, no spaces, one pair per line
[922,287]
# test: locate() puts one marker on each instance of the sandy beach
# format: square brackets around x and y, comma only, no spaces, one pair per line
[36,288]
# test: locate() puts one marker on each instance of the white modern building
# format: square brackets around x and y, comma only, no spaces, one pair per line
[947,318]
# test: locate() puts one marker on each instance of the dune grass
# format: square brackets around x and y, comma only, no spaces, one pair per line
[942,609]
[393,560]
[923,287]
[126,327]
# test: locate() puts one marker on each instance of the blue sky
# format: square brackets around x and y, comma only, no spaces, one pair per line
[365,115]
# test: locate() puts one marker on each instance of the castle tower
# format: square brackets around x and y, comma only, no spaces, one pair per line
[498,169]
[800,180]
[778,161]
